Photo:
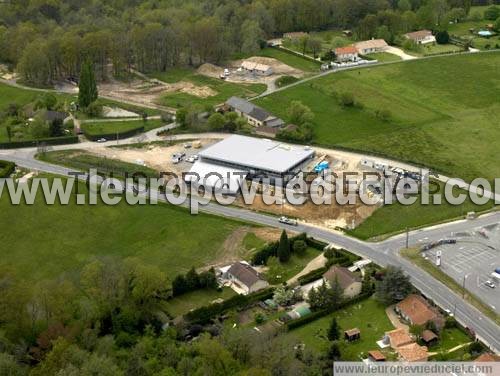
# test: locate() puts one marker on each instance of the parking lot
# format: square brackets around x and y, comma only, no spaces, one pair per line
[472,260]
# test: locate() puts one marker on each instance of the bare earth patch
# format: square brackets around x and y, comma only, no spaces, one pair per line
[147,92]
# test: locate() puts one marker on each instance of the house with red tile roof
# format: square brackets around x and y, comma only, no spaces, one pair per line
[349,53]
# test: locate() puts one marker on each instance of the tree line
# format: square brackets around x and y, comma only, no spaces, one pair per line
[48,40]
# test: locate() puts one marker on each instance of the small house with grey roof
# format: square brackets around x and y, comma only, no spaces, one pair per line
[255,115]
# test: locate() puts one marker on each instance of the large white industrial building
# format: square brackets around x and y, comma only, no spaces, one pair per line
[225,165]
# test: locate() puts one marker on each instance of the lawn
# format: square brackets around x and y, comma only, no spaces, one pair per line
[84,161]
[183,304]
[43,241]
[434,49]
[397,217]
[252,242]
[114,127]
[449,339]
[281,272]
[9,94]
[298,62]
[383,57]
[444,112]
[223,88]
[368,316]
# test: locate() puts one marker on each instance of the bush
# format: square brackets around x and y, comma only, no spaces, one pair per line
[94,110]
[313,243]
[383,114]
[450,322]
[6,169]
[492,13]
[299,247]
[347,99]
[285,80]
[313,275]
[442,37]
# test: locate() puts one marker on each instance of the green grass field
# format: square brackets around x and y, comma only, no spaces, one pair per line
[368,316]
[444,112]
[284,271]
[397,217]
[384,57]
[43,241]
[298,62]
[84,161]
[223,88]
[112,127]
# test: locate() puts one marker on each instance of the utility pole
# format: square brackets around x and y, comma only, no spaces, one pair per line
[407,238]
[463,287]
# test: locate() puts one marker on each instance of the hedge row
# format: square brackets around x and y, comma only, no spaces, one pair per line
[271,249]
[44,141]
[316,315]
[115,135]
[313,275]
[311,242]
[6,168]
[204,314]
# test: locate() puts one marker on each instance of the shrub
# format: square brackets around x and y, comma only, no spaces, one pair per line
[450,322]
[6,169]
[94,110]
[285,80]
[313,275]
[299,247]
[492,13]
[442,37]
[383,114]
[347,99]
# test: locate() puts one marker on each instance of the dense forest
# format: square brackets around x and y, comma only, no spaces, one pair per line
[48,39]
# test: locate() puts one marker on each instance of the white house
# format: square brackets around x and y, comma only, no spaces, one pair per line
[349,53]
[421,37]
[371,46]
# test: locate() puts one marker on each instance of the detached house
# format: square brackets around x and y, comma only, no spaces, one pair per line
[371,46]
[421,36]
[244,278]
[349,53]
[255,115]
[348,281]
[416,310]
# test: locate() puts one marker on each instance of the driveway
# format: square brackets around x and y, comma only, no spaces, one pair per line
[399,52]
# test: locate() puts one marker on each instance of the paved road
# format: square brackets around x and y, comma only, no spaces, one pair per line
[269,92]
[383,253]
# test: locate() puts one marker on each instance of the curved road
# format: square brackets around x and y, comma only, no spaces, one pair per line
[382,253]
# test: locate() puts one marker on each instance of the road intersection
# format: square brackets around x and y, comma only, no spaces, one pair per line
[383,253]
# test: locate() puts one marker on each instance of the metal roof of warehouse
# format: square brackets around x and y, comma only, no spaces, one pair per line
[257,153]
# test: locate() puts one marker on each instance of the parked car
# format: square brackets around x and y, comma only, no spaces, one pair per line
[187,145]
[191,159]
[490,284]
[288,221]
[101,140]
